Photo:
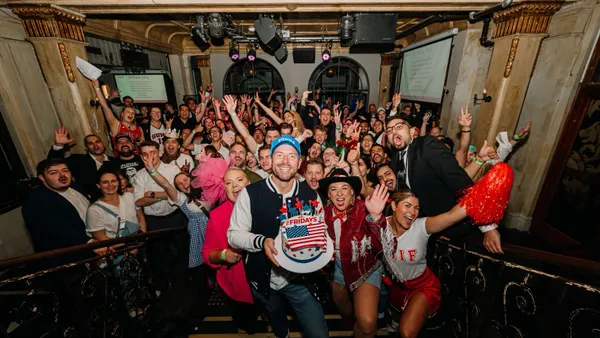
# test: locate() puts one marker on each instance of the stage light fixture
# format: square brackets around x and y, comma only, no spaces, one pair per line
[234,54]
[251,55]
[346,28]
[198,34]
[216,25]
[326,55]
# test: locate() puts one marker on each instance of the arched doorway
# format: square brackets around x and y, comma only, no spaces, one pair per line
[342,79]
[244,77]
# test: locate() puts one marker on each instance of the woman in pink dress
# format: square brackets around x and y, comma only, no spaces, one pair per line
[216,252]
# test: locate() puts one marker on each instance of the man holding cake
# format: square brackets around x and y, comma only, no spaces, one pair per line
[263,209]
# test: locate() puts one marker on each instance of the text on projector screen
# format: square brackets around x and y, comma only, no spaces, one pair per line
[143,88]
[424,72]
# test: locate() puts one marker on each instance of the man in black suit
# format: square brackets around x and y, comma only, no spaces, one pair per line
[430,170]
[55,211]
[83,167]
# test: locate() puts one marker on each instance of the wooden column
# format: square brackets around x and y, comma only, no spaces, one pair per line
[385,79]
[204,65]
[57,37]
[519,32]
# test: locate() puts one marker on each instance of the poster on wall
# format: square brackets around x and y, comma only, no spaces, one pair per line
[143,88]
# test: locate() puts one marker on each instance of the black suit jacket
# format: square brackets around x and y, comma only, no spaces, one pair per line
[434,175]
[52,221]
[83,169]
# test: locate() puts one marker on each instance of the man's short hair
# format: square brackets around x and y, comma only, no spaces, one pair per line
[89,135]
[264,147]
[321,128]
[127,97]
[149,144]
[372,177]
[183,105]
[191,99]
[402,117]
[272,129]
[315,161]
[43,165]
[238,144]
[285,125]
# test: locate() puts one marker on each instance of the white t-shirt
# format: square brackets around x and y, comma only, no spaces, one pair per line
[180,161]
[142,182]
[407,259]
[337,229]
[77,200]
[98,219]
[157,134]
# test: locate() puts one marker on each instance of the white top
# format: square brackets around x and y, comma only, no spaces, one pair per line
[262,173]
[99,164]
[223,150]
[180,161]
[98,219]
[77,200]
[337,229]
[406,260]
[157,134]
[142,182]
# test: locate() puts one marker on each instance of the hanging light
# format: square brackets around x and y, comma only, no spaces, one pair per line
[234,54]
[251,55]
[326,55]
[216,25]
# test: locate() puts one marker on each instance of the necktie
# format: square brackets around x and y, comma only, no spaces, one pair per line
[401,174]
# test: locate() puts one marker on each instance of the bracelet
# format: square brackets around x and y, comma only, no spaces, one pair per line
[96,88]
[159,199]
[465,131]
[223,255]
[153,172]
[478,161]
[517,137]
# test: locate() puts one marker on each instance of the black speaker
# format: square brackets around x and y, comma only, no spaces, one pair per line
[374,29]
[304,55]
[281,54]
[266,30]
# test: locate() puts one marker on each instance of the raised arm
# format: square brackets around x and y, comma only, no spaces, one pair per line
[441,222]
[486,153]
[268,110]
[464,121]
[423,130]
[188,143]
[112,121]
[231,104]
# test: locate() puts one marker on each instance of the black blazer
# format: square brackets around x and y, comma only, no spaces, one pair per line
[83,169]
[434,175]
[52,221]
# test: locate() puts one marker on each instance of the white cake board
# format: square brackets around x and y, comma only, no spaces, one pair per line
[288,264]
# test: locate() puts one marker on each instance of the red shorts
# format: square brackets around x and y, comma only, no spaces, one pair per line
[428,283]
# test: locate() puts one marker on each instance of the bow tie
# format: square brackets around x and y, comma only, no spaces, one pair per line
[339,215]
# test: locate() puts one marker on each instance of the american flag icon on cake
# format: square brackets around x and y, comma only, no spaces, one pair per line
[306,236]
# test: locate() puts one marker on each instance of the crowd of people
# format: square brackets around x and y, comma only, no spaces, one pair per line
[386,178]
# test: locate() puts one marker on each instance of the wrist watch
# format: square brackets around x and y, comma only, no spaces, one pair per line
[153,195]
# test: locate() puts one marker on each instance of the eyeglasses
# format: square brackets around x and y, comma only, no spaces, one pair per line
[396,127]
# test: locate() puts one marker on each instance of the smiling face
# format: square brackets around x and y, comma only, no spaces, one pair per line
[378,155]
[124,147]
[314,151]
[208,123]
[182,182]
[435,132]
[367,143]
[56,177]
[271,135]
[238,152]
[341,195]
[155,114]
[288,117]
[235,181]
[378,127]
[128,115]
[258,135]
[108,184]
[251,161]
[286,162]
[314,172]
[406,211]
[215,134]
[320,136]
[184,112]
[171,146]
[325,116]
[398,134]
[386,177]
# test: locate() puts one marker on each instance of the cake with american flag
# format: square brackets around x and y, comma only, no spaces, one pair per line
[303,238]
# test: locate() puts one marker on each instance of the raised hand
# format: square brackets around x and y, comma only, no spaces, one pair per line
[228,139]
[114,93]
[523,132]
[337,116]
[396,100]
[199,128]
[487,152]
[426,117]
[465,118]
[185,168]
[336,106]
[353,155]
[148,163]
[168,123]
[377,201]
[305,94]
[307,133]
[61,137]
[361,104]
[230,103]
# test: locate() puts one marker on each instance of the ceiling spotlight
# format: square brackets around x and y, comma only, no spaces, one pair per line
[216,25]
[234,54]
[198,34]
[251,55]
[326,55]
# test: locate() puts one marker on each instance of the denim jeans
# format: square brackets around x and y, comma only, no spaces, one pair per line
[308,311]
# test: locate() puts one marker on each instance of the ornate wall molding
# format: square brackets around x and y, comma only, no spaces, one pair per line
[511,56]
[532,18]
[203,60]
[386,59]
[65,59]
[51,22]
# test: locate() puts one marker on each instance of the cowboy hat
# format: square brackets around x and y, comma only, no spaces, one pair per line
[339,175]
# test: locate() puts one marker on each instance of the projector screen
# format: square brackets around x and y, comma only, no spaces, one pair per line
[143,88]
[424,72]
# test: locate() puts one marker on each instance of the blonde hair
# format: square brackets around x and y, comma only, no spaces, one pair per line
[236,169]
[297,124]
[401,194]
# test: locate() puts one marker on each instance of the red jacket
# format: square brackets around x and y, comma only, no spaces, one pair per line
[358,247]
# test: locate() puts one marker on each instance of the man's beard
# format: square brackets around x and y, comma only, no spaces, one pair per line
[285,177]
[125,154]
